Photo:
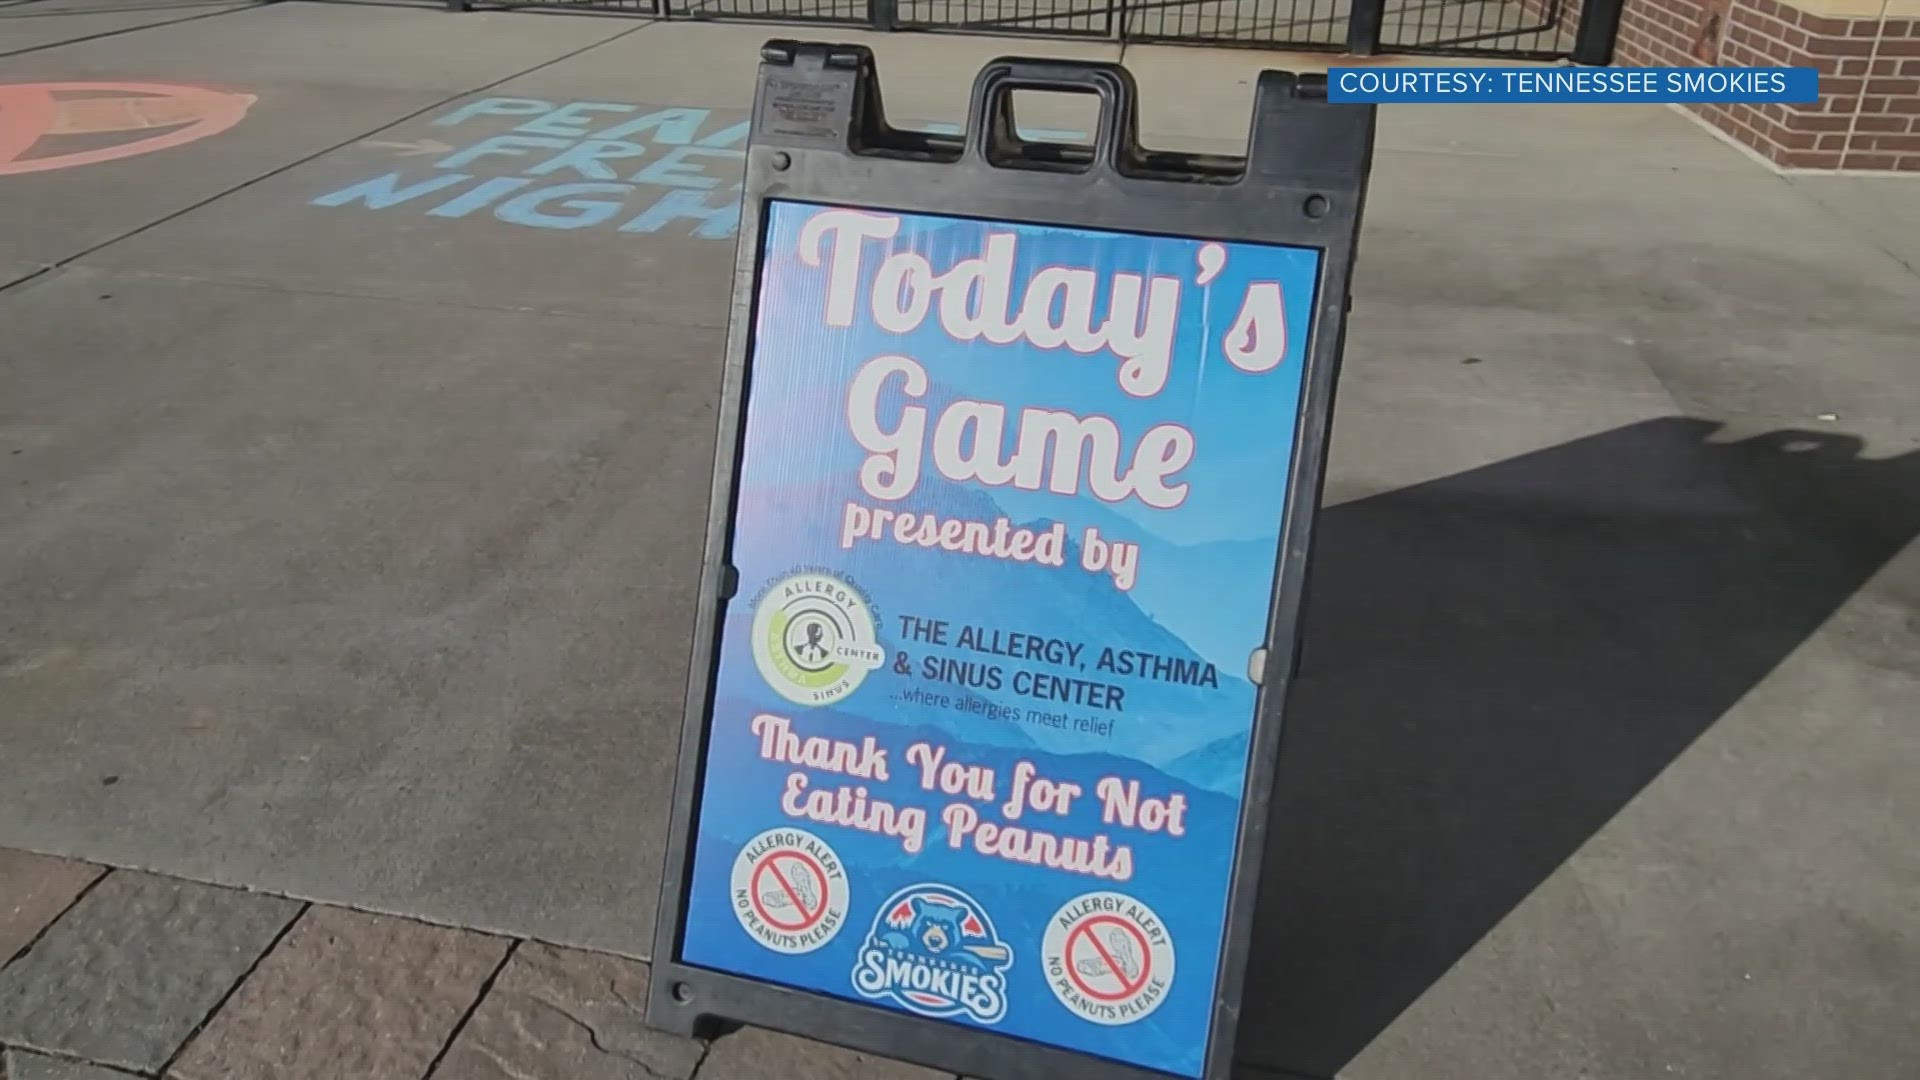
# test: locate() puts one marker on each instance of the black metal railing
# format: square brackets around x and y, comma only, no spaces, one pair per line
[652,8]
[853,12]
[1531,29]
[1293,24]
[1052,18]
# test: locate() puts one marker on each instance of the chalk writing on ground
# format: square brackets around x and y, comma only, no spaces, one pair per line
[570,165]
[605,165]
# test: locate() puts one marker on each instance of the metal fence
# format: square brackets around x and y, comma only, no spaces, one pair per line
[845,12]
[1501,27]
[1531,29]
[1052,18]
[653,8]
[1293,24]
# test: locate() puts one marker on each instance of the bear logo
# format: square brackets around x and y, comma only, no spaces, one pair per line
[933,950]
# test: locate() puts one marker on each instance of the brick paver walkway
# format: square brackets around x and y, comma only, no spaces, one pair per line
[109,973]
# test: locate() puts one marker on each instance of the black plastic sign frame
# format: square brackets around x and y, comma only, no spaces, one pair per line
[819,136]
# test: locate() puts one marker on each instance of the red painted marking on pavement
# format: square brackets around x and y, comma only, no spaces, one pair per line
[33,112]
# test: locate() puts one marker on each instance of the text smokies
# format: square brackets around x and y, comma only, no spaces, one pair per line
[983,801]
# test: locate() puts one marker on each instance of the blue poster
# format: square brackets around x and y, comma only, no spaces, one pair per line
[1008,511]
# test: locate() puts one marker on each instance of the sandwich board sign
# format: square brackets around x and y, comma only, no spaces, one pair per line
[1021,446]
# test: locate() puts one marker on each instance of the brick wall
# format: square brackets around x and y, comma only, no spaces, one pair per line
[1867,52]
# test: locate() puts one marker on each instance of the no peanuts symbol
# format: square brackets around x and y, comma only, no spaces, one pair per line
[789,890]
[1108,958]
[792,884]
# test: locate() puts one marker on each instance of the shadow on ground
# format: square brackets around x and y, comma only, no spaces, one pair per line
[1499,660]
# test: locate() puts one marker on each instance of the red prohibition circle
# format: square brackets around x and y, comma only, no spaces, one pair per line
[1085,930]
[808,919]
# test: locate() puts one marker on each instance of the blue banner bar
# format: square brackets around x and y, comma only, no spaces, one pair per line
[1563,85]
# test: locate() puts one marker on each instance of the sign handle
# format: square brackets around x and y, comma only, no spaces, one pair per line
[1298,138]
[992,137]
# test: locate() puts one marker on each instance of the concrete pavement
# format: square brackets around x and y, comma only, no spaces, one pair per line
[40,24]
[351,457]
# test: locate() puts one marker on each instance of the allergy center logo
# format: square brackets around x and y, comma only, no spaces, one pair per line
[813,638]
[933,950]
[59,125]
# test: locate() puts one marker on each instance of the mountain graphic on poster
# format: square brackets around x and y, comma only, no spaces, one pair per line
[1205,802]
[1163,723]
[1220,765]
[1212,594]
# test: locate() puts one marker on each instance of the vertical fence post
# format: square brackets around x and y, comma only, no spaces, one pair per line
[1599,28]
[1363,26]
[884,14]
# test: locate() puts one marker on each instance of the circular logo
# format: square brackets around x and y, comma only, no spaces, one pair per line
[1108,958]
[58,125]
[934,951]
[789,891]
[813,639]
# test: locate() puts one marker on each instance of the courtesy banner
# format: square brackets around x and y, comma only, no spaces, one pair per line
[1007,519]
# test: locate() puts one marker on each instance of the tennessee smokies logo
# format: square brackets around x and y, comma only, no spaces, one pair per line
[933,951]
[813,638]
